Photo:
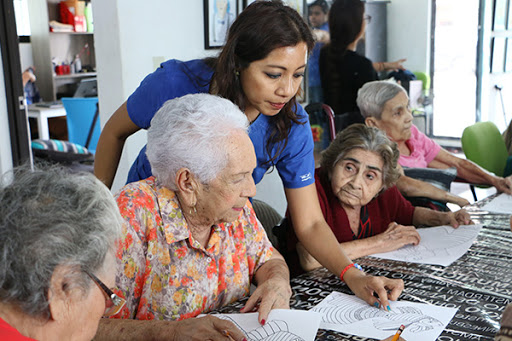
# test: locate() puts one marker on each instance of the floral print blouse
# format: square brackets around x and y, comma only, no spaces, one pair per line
[163,273]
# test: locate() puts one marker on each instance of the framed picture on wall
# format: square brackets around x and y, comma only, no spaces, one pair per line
[299,5]
[218,17]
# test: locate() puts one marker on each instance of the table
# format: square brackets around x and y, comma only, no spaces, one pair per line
[479,284]
[42,114]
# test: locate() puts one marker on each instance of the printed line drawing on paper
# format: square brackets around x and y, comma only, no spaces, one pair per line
[341,310]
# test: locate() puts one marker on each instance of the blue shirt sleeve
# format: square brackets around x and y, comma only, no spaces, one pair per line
[296,164]
[171,80]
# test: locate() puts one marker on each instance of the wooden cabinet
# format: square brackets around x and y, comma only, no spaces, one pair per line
[57,47]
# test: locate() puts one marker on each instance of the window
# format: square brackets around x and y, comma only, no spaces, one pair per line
[455,55]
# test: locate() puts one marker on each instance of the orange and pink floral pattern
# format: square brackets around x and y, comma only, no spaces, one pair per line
[163,273]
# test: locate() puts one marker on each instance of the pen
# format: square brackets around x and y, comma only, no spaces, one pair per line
[398,332]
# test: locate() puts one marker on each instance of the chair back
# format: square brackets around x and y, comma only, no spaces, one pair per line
[321,119]
[81,121]
[483,144]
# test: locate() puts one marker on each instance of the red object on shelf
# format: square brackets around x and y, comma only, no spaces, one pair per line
[66,17]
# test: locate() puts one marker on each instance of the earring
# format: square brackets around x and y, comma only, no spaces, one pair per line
[237,73]
[194,208]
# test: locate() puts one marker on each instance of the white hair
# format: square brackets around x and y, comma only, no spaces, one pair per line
[373,96]
[191,132]
[50,217]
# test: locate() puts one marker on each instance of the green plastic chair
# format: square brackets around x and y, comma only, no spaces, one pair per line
[425,78]
[483,144]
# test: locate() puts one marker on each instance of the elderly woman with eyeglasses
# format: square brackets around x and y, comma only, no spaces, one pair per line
[364,209]
[57,244]
[191,241]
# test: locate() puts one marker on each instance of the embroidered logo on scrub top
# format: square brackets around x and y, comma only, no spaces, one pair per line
[306,177]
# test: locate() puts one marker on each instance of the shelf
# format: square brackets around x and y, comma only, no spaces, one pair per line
[76,75]
[73,33]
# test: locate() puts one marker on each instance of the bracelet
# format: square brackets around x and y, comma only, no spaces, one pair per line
[355,265]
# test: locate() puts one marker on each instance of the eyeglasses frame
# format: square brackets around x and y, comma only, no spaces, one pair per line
[117,301]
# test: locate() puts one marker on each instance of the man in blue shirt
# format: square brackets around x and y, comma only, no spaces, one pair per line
[318,11]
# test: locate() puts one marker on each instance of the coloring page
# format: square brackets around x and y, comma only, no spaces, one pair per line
[440,245]
[351,315]
[282,325]
[501,204]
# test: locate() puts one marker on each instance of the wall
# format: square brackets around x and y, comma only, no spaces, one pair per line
[5,141]
[26,55]
[409,33]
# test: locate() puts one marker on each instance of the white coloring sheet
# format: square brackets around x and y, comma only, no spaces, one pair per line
[500,204]
[440,245]
[282,324]
[351,315]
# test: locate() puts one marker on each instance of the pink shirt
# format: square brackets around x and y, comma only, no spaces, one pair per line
[423,150]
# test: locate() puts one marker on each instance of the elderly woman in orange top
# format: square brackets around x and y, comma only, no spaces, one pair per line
[192,242]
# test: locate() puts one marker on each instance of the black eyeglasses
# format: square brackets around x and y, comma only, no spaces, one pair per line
[114,303]
[367,18]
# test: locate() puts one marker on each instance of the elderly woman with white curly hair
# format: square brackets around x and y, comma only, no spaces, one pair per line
[191,241]
[56,255]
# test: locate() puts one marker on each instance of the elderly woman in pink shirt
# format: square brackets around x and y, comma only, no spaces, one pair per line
[385,105]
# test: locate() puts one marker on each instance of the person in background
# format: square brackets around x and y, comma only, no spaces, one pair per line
[260,69]
[29,86]
[192,224]
[318,12]
[56,255]
[364,209]
[385,105]
[342,70]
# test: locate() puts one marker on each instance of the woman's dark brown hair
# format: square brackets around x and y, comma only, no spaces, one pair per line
[345,23]
[261,28]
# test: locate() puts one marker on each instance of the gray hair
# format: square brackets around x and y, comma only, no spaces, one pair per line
[372,97]
[191,132]
[50,217]
[360,136]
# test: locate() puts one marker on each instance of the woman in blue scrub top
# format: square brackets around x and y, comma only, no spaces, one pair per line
[260,69]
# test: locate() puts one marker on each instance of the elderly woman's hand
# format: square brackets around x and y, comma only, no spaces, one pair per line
[397,236]
[504,184]
[460,217]
[274,293]
[207,328]
[365,286]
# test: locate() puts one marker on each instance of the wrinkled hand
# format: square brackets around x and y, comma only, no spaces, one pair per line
[274,293]
[397,236]
[460,201]
[504,184]
[207,328]
[460,217]
[364,286]
[396,65]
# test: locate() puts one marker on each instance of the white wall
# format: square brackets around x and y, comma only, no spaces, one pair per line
[26,56]
[409,33]
[5,140]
